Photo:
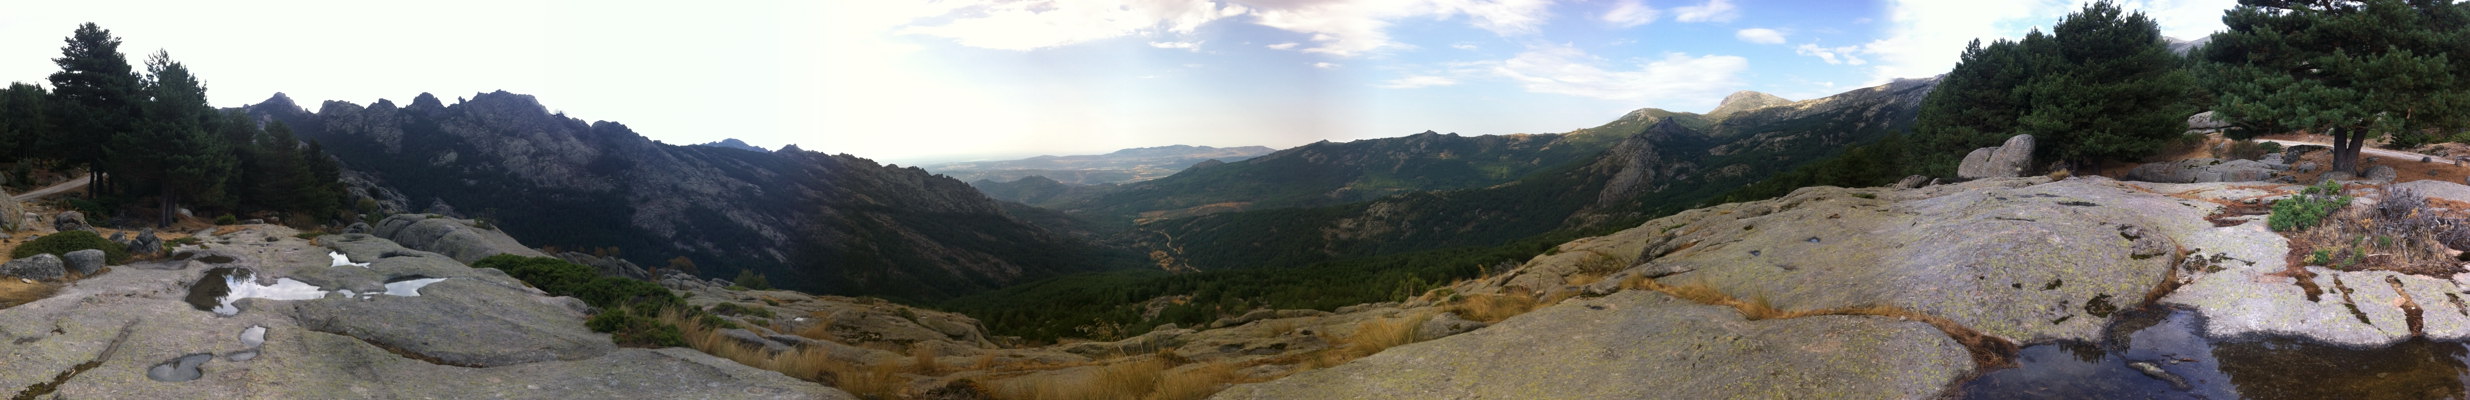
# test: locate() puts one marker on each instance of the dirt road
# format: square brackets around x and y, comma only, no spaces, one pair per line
[72,184]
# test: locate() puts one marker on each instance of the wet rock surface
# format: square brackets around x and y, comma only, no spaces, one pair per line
[101,337]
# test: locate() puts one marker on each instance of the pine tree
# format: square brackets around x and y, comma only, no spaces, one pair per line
[1976,105]
[94,95]
[2114,91]
[23,119]
[2354,70]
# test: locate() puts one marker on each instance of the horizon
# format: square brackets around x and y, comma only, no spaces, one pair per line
[885,82]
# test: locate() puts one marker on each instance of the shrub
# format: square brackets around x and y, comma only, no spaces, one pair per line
[60,244]
[628,329]
[2250,150]
[2307,208]
[735,309]
[752,280]
[227,219]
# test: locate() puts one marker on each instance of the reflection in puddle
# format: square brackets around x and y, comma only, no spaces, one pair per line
[222,286]
[409,287]
[183,369]
[2147,351]
[340,260]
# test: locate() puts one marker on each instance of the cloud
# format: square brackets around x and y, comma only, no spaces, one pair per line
[1675,78]
[1324,65]
[1419,81]
[1347,28]
[1463,46]
[2184,19]
[1283,46]
[1713,11]
[1629,13]
[1043,24]
[1192,46]
[1832,55]
[1760,36]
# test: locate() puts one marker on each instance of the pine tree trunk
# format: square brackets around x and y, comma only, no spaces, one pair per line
[2345,151]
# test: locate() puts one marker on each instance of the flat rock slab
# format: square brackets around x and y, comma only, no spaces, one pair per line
[459,321]
[1638,344]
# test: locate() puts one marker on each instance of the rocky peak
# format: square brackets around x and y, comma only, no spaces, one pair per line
[426,102]
[1744,101]
[734,143]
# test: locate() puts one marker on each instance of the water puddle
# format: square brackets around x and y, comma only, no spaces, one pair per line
[2162,353]
[409,286]
[222,286]
[340,260]
[183,369]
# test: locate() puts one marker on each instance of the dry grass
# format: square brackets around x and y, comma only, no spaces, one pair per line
[1490,308]
[1147,378]
[2402,234]
[812,363]
[922,361]
[15,292]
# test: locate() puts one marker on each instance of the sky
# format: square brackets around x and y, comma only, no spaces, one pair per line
[918,81]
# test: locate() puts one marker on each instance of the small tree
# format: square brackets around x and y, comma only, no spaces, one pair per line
[749,279]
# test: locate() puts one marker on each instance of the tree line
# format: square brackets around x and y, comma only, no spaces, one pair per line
[152,135]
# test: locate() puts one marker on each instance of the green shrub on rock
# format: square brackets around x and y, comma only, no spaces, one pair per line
[60,244]
[627,305]
[2308,208]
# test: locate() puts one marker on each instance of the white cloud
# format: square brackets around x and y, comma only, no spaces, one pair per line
[1927,37]
[1832,55]
[1192,46]
[1043,24]
[1629,13]
[1419,81]
[1283,46]
[1347,28]
[1463,46]
[1677,80]
[1760,36]
[1713,11]
[1324,65]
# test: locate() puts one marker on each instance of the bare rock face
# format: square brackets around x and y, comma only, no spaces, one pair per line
[464,240]
[2205,121]
[10,220]
[2008,160]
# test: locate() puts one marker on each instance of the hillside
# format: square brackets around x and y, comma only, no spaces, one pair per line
[810,221]
[1652,170]
[1121,166]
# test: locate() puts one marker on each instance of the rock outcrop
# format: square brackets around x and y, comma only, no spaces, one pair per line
[1638,344]
[70,221]
[83,262]
[2206,122]
[464,240]
[2009,160]
[11,219]
[474,333]
[1745,101]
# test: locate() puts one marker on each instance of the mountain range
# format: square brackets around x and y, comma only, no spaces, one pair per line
[809,221]
[1121,166]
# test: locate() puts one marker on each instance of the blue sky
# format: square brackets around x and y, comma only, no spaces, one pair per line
[913,81]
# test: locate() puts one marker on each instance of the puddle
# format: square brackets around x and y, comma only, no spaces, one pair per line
[253,337]
[243,355]
[183,369]
[340,260]
[409,286]
[221,286]
[2148,349]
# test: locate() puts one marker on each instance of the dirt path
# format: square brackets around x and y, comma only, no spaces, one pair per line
[2369,151]
[72,184]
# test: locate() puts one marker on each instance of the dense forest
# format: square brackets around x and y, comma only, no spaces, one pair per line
[153,145]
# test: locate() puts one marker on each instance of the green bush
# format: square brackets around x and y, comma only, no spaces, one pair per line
[2307,208]
[626,304]
[227,219]
[60,244]
[735,309]
[752,280]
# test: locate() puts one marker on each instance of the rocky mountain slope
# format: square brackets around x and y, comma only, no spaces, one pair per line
[733,143]
[811,221]
[1657,167]
[1121,166]
[256,312]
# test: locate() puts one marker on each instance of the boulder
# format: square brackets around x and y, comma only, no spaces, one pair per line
[2306,167]
[1445,325]
[460,239]
[359,227]
[2382,173]
[2206,121]
[2007,160]
[84,262]
[1911,182]
[146,243]
[70,221]
[9,222]
[1639,344]
[41,267]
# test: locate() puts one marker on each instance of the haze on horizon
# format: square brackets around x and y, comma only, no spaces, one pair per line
[917,82]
